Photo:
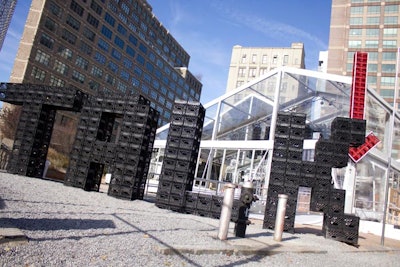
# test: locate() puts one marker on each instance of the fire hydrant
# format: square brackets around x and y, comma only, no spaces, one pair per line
[246,198]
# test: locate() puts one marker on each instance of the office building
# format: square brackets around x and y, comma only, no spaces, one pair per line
[371,26]
[6,12]
[107,47]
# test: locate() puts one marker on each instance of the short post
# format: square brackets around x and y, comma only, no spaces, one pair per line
[226,211]
[280,217]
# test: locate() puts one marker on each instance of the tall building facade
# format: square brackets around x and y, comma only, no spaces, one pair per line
[105,46]
[7,8]
[248,63]
[370,26]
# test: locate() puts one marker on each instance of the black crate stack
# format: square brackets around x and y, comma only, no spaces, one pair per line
[181,152]
[39,106]
[285,168]
[288,172]
[126,153]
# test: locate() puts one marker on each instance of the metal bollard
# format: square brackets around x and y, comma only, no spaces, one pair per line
[226,211]
[280,217]
[246,198]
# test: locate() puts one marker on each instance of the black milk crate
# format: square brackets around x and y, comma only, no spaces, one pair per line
[297,133]
[277,178]
[332,221]
[323,169]
[322,185]
[175,130]
[358,126]
[357,139]
[280,153]
[275,190]
[179,108]
[162,197]
[320,196]
[283,118]
[177,119]
[190,210]
[186,154]
[190,132]
[291,180]
[341,136]
[296,143]
[307,181]
[319,206]
[169,163]
[173,141]
[269,223]
[167,175]
[293,168]
[178,188]
[188,143]
[291,191]
[350,237]
[216,203]
[340,123]
[171,152]
[296,155]
[308,169]
[191,200]
[204,202]
[278,165]
[184,166]
[340,161]
[342,148]
[351,222]
[281,143]
[194,109]
[184,177]
[334,234]
[336,208]
[337,195]
[298,118]
[282,131]
[177,199]
[326,146]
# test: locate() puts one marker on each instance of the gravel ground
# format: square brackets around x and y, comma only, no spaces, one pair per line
[68,226]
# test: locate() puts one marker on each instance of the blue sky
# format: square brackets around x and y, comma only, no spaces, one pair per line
[208,29]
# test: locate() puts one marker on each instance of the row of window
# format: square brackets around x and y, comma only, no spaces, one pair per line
[252,72]
[374,9]
[387,20]
[372,44]
[264,59]
[372,1]
[387,32]
[373,56]
[385,68]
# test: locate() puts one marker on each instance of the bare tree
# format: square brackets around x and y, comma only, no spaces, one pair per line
[9,118]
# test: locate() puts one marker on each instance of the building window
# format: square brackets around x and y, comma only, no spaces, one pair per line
[116,54]
[391,20]
[356,21]
[391,9]
[252,72]
[47,41]
[125,8]
[76,8]
[356,10]
[122,87]
[112,66]
[140,59]
[264,59]
[110,20]
[371,43]
[373,20]
[119,42]
[93,85]
[109,79]
[143,48]
[103,44]
[355,32]
[82,63]
[38,74]
[387,81]
[243,59]
[124,75]
[254,58]
[373,9]
[96,7]
[275,59]
[89,34]
[54,81]
[85,48]
[263,71]
[389,44]
[387,93]
[133,40]
[106,32]
[42,57]
[74,23]
[121,29]
[285,59]
[372,56]
[55,9]
[354,44]
[65,52]
[97,72]
[372,67]
[135,82]
[92,20]
[391,56]
[77,76]
[242,72]
[50,24]
[68,36]
[372,32]
[389,68]
[100,58]
[127,63]
[60,67]
[390,32]
[371,79]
